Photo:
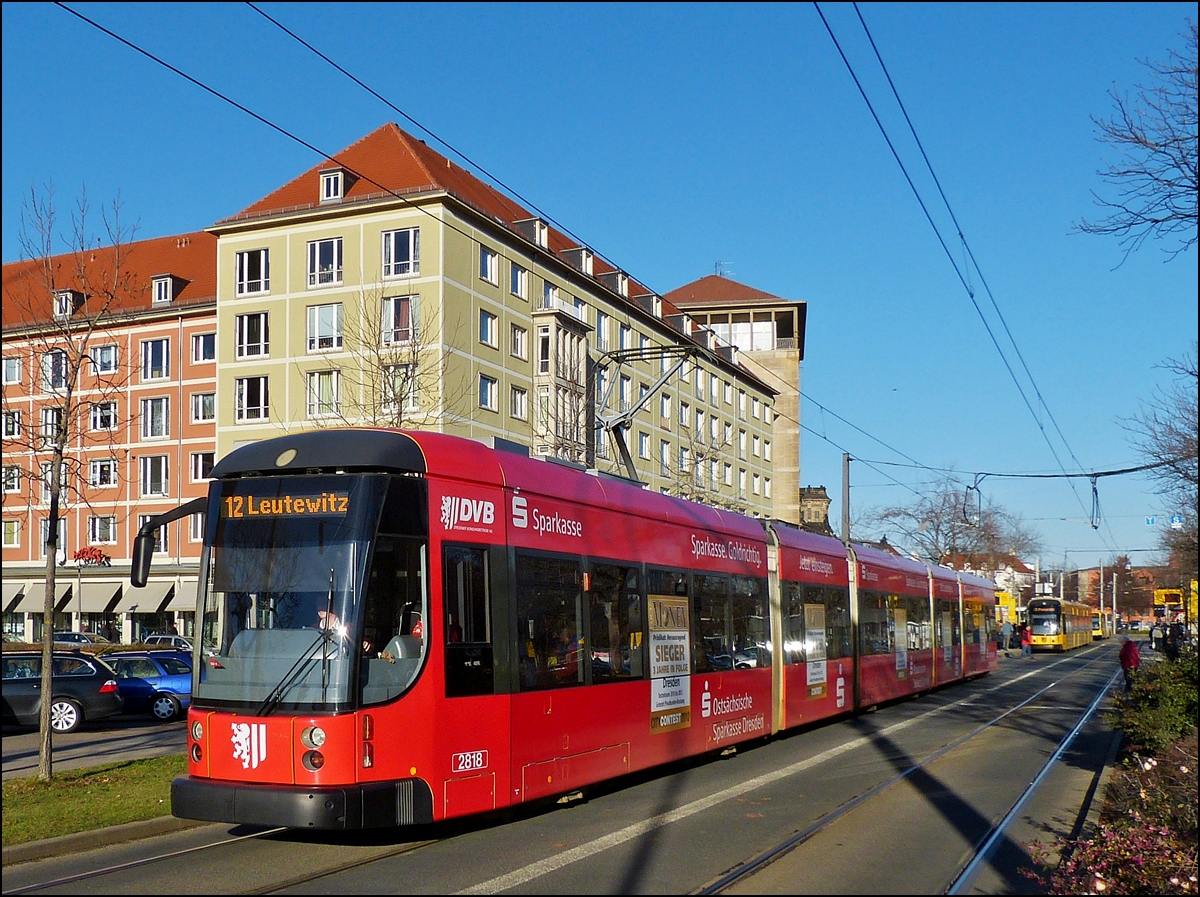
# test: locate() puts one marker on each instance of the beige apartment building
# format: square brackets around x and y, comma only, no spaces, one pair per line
[388,286]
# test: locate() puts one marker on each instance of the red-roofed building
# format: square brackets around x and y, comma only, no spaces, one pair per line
[388,285]
[138,325]
[768,333]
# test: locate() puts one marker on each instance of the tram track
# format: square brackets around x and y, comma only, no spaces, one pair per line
[970,867]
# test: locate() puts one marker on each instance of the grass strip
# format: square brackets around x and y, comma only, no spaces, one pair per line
[81,800]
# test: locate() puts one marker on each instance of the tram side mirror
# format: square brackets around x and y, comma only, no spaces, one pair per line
[143,553]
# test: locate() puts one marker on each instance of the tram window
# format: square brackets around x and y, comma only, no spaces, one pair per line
[874,616]
[615,603]
[392,618]
[712,623]
[467,622]
[838,642]
[549,622]
[793,623]
[404,510]
[750,641]
[920,628]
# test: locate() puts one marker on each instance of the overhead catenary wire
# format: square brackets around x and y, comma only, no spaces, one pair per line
[945,248]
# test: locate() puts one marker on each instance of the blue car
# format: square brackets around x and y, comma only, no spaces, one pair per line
[156,681]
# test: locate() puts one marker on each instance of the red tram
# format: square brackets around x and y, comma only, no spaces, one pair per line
[402,627]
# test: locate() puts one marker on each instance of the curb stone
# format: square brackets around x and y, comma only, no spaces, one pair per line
[104,837]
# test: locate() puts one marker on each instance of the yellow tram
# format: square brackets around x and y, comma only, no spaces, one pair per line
[1059,625]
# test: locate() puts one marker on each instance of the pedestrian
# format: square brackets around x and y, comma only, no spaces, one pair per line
[1026,641]
[1130,660]
[1155,637]
[1006,632]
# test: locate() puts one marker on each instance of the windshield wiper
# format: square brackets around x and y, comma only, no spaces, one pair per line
[324,638]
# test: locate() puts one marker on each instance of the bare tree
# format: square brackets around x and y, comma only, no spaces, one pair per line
[56,304]
[1164,433]
[398,375]
[937,526]
[1155,177]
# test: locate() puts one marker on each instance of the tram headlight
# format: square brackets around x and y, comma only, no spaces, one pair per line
[197,730]
[313,737]
[313,760]
[197,754]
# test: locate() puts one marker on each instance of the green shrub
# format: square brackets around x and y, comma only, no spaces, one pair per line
[1161,708]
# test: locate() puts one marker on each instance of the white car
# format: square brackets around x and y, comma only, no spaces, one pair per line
[178,642]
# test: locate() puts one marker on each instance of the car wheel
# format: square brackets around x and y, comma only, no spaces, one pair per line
[165,707]
[65,715]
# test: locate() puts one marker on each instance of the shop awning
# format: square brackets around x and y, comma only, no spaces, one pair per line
[148,600]
[13,591]
[97,596]
[185,596]
[35,597]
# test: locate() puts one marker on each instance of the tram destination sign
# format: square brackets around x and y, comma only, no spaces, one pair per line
[324,504]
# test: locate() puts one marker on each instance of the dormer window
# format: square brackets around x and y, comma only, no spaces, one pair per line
[534,229]
[164,290]
[65,303]
[332,185]
[617,281]
[579,258]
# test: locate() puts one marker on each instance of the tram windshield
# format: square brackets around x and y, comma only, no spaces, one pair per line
[1044,621]
[313,592]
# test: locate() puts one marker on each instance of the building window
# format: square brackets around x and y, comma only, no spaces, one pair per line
[324,327]
[12,479]
[644,445]
[487,328]
[741,404]
[487,392]
[160,534]
[195,527]
[64,304]
[685,414]
[755,484]
[664,458]
[400,387]
[727,392]
[331,186]
[400,317]
[488,265]
[102,530]
[12,423]
[252,399]
[104,360]
[104,416]
[664,408]
[742,444]
[624,337]
[12,534]
[204,407]
[520,341]
[204,347]
[549,295]
[601,331]
[543,409]
[54,369]
[699,428]
[625,397]
[754,446]
[12,369]
[155,418]
[61,547]
[727,434]
[253,272]
[154,475]
[102,473]
[754,406]
[156,359]
[402,252]
[52,421]
[202,465]
[324,398]
[543,350]
[518,281]
[741,482]
[766,449]
[766,487]
[163,290]
[325,262]
[519,404]
[250,335]
[727,477]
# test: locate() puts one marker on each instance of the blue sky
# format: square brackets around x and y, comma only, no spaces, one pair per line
[672,137]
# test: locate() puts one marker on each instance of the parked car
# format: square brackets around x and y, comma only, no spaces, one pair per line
[156,681]
[84,689]
[79,639]
[176,642]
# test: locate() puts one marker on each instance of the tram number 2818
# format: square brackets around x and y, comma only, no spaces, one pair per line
[469,761]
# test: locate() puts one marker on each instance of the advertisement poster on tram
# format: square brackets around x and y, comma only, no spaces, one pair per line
[814,649]
[900,624]
[670,653]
